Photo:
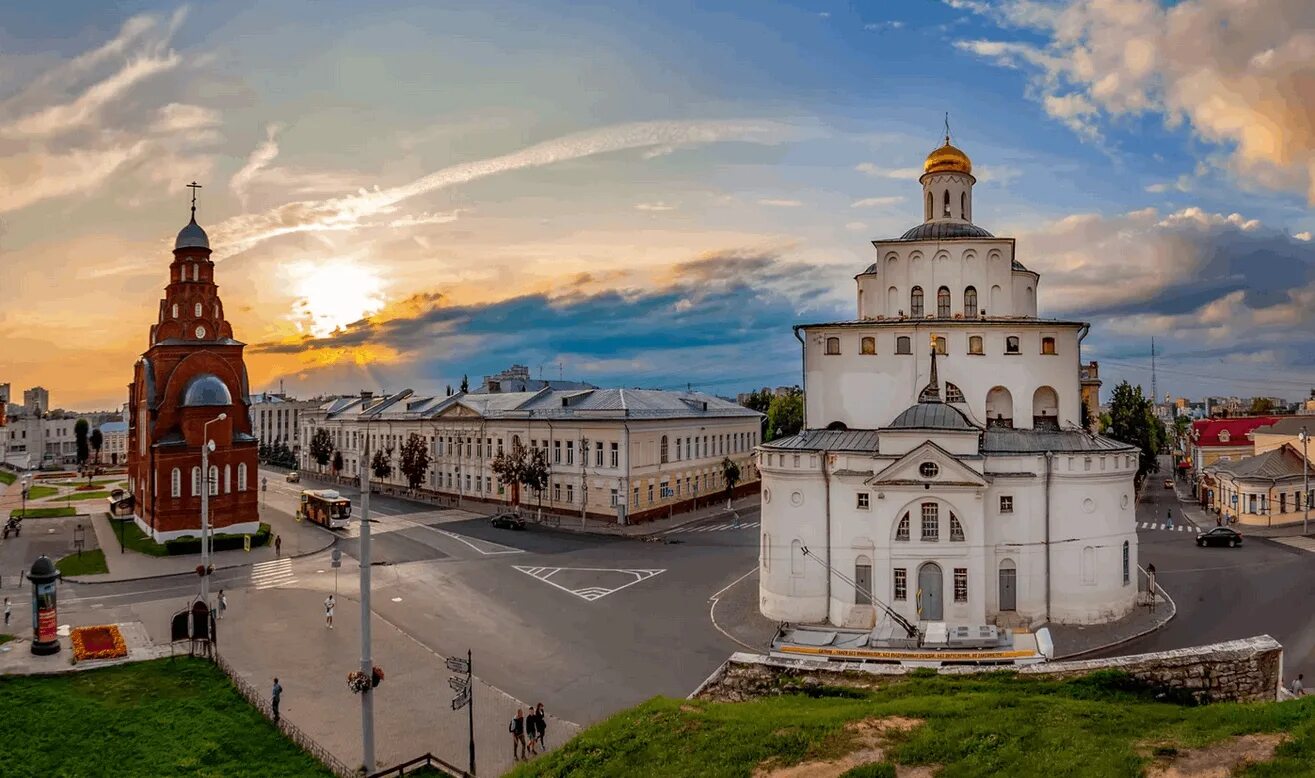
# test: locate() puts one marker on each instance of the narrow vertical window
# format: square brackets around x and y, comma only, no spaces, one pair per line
[833,345]
[664,452]
[915,302]
[196,481]
[176,483]
[943,302]
[961,584]
[970,303]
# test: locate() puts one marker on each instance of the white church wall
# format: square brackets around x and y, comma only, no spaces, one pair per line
[792,587]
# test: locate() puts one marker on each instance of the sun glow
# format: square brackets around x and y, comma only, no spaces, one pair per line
[332,294]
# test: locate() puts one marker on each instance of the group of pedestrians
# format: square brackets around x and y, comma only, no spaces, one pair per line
[527,733]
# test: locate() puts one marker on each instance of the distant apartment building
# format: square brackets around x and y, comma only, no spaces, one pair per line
[114,443]
[619,454]
[276,418]
[517,379]
[36,400]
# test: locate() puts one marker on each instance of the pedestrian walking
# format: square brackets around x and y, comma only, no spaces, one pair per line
[531,735]
[275,696]
[517,730]
[1298,688]
[278,545]
[540,725]
[223,603]
[1168,517]
[8,610]
[328,611]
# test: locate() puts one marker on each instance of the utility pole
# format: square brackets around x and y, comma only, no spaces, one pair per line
[367,662]
[584,479]
[1305,479]
[207,445]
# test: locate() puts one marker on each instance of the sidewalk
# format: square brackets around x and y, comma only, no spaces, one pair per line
[1074,640]
[299,539]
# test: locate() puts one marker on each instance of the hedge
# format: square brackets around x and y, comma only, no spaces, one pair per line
[220,541]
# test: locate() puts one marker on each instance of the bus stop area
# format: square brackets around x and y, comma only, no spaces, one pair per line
[298,539]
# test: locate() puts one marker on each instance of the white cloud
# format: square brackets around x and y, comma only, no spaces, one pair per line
[874,202]
[1303,236]
[181,117]
[773,203]
[901,173]
[856,226]
[893,24]
[655,206]
[257,160]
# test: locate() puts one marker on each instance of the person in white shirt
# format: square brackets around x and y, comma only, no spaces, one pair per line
[328,611]
[1298,688]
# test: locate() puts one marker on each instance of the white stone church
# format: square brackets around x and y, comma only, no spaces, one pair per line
[943,469]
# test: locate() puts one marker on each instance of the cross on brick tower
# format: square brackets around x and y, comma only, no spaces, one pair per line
[194,186]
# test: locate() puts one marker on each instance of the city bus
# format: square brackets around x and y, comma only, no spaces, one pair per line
[326,507]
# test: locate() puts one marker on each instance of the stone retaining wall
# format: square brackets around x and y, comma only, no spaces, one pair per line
[1248,670]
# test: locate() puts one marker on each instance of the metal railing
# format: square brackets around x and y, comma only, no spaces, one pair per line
[292,731]
[427,760]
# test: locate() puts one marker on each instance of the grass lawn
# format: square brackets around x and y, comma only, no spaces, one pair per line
[6,638]
[987,725]
[136,540]
[149,718]
[39,491]
[90,563]
[44,513]
[7,477]
[88,496]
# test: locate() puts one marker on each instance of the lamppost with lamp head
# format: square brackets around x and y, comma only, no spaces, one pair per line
[1305,479]
[207,446]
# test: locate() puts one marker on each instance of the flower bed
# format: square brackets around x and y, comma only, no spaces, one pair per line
[101,642]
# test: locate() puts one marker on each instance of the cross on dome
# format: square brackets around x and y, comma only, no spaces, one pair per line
[192,236]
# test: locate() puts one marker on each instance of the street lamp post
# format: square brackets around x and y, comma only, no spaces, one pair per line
[1305,480]
[207,446]
[367,662]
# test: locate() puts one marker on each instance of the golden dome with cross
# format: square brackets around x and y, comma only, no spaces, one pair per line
[947,159]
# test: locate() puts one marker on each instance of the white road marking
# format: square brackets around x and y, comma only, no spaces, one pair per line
[712,610]
[592,592]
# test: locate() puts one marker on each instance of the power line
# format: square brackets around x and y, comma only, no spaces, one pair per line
[1296,383]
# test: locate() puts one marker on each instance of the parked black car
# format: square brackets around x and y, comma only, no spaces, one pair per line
[1220,536]
[508,521]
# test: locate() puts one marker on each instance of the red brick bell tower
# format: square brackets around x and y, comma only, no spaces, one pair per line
[191,373]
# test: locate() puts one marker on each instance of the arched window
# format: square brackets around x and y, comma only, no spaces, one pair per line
[1048,346]
[931,206]
[833,346]
[943,303]
[1011,345]
[663,453]
[1127,570]
[903,345]
[940,345]
[963,206]
[796,558]
[837,426]
[953,394]
[228,479]
[1045,408]
[175,310]
[196,481]
[214,480]
[892,301]
[999,407]
[868,345]
[915,302]
[198,310]
[974,344]
[216,310]
[970,303]
[176,483]
[242,476]
[902,529]
[956,529]
[931,522]
[1088,566]
[947,204]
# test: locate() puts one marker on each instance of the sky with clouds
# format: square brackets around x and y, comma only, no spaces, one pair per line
[645,194]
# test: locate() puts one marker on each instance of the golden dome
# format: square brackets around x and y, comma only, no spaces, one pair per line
[947,159]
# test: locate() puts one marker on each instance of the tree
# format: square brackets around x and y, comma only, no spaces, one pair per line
[321,447]
[1261,406]
[509,466]
[337,462]
[381,465]
[97,440]
[262,452]
[415,460]
[730,472]
[759,400]
[80,432]
[1132,421]
[536,473]
[785,416]
[465,384]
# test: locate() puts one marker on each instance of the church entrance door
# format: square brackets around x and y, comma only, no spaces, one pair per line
[1008,586]
[930,598]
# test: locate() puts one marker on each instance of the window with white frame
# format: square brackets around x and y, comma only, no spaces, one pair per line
[196,481]
[615,455]
[214,480]
[902,529]
[961,584]
[862,501]
[901,584]
[931,521]
[1006,503]
[956,529]
[176,483]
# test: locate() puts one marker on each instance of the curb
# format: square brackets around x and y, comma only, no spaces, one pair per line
[1130,638]
[156,576]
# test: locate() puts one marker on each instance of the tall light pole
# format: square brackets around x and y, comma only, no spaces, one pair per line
[1305,479]
[367,662]
[207,445]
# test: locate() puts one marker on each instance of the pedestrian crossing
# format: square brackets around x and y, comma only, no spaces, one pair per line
[268,575]
[1170,527]
[712,528]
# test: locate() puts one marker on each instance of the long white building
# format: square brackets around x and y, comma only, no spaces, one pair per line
[613,453]
[943,469]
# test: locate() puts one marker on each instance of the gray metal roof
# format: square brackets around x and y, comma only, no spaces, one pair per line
[548,403]
[1275,465]
[1289,425]
[113,426]
[191,236]
[828,440]
[1002,440]
[932,416]
[206,389]
[945,230]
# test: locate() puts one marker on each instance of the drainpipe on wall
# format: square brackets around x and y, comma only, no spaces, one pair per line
[1050,458]
[625,479]
[826,480]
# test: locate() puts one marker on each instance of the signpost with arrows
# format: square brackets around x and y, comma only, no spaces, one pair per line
[463,685]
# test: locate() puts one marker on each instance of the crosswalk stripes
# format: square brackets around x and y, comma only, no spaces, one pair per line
[1170,527]
[267,575]
[712,528]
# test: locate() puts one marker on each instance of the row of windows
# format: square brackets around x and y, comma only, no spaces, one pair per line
[904,345]
[176,480]
[196,310]
[930,525]
[943,303]
[900,585]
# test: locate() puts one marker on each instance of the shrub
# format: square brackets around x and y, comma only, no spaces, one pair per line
[220,541]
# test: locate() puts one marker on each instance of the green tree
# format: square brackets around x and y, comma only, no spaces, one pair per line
[262,452]
[1132,421]
[536,473]
[730,473]
[80,433]
[337,462]
[1261,406]
[509,466]
[785,416]
[381,465]
[415,460]
[465,384]
[321,447]
[759,400]
[97,440]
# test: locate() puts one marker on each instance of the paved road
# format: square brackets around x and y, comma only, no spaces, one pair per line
[1225,593]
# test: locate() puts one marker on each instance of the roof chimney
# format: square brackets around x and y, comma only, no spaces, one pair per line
[366,396]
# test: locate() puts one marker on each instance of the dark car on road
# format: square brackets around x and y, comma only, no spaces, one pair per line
[1220,536]
[508,521]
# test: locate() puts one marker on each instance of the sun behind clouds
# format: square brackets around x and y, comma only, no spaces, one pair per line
[333,294]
